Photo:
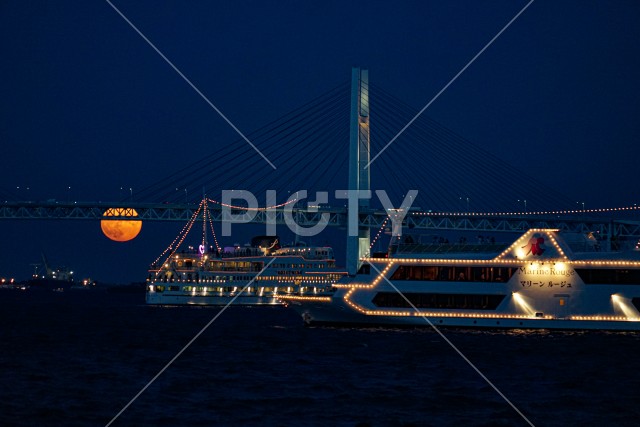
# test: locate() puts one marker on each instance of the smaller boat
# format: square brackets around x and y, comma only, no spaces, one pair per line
[57,279]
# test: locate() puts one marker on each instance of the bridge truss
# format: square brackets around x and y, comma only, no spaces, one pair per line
[337,217]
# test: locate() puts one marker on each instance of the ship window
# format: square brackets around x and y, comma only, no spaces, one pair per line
[365,269]
[432,300]
[453,273]
[618,276]
[174,288]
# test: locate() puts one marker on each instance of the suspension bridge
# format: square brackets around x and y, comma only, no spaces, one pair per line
[326,145]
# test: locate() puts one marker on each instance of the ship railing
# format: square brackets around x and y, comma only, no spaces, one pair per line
[603,246]
[242,252]
[406,248]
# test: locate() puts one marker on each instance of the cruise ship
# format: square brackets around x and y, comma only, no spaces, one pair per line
[542,280]
[257,274]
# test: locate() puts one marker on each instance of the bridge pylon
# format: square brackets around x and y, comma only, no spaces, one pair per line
[359,172]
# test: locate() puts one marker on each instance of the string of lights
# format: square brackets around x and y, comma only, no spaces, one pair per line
[182,232]
[289,202]
[205,215]
[533,213]
[190,224]
[377,236]
[213,231]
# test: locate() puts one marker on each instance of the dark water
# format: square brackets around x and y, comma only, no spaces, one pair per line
[76,359]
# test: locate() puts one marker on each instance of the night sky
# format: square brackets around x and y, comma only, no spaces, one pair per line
[86,103]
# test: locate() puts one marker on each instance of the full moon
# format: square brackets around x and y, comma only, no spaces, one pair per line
[120,230]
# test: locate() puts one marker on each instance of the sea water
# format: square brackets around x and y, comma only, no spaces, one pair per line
[78,358]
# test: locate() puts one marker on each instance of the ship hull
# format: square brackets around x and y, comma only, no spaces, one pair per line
[331,314]
[221,300]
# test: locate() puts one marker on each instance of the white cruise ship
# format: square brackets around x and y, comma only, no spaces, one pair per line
[257,274]
[539,281]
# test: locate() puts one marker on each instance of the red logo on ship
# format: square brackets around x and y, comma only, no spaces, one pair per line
[535,245]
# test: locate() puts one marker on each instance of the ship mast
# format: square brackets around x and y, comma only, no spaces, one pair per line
[205,243]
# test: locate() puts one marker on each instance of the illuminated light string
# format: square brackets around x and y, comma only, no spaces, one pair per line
[366,312]
[520,240]
[180,238]
[557,246]
[609,318]
[352,288]
[500,258]
[559,212]
[180,233]
[547,231]
[172,244]
[408,312]
[204,223]
[304,298]
[489,262]
[185,231]
[213,232]
[293,201]
[375,239]
[186,226]
[176,248]
[373,284]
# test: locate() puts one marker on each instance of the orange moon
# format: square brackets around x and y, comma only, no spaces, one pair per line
[120,230]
